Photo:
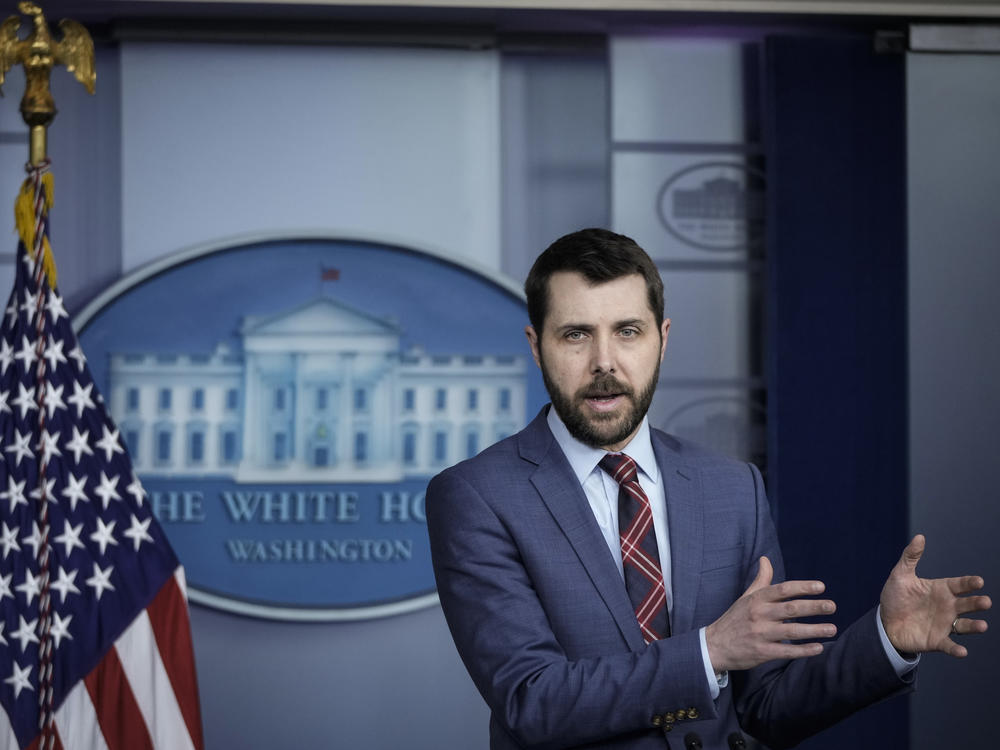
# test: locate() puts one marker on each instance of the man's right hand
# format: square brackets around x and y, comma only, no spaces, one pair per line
[754,629]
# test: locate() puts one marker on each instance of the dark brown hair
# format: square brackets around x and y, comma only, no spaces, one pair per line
[600,256]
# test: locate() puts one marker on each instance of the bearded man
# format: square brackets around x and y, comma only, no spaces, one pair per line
[611,586]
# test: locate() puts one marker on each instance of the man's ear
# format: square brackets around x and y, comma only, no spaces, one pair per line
[529,331]
[664,330]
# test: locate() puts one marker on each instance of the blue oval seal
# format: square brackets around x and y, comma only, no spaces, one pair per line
[285,401]
[714,205]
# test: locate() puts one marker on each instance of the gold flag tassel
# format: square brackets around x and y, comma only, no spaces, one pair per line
[31,212]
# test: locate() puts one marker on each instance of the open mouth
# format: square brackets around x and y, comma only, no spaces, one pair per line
[604,401]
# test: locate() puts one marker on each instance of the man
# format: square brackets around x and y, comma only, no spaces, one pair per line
[612,602]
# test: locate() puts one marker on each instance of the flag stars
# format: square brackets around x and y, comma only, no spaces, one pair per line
[65,584]
[53,353]
[5,590]
[77,354]
[70,538]
[104,535]
[26,353]
[19,679]
[81,398]
[30,304]
[6,356]
[11,313]
[15,491]
[31,587]
[4,395]
[108,489]
[20,447]
[54,399]
[34,539]
[60,628]
[100,580]
[25,632]
[135,490]
[25,400]
[55,308]
[8,540]
[73,491]
[79,444]
[109,443]
[50,485]
[138,532]
[48,445]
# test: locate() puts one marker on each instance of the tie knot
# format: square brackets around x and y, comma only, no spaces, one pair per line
[621,467]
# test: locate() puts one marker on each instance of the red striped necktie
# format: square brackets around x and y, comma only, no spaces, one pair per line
[640,557]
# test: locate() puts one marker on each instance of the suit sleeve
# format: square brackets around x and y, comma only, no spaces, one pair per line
[541,697]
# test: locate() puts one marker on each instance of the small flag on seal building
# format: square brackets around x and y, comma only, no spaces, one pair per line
[95,640]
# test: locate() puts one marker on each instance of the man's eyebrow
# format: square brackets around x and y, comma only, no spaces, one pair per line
[634,322]
[586,327]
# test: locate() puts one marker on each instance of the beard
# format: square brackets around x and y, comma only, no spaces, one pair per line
[601,429]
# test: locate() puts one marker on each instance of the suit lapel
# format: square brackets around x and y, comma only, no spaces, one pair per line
[685,519]
[564,497]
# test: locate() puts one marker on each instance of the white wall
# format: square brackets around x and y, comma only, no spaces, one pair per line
[220,140]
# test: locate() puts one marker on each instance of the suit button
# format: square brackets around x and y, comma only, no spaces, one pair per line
[657,720]
[681,714]
[692,713]
[668,717]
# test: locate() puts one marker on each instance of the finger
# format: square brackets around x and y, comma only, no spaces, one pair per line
[790,589]
[965,584]
[911,555]
[793,650]
[793,609]
[965,626]
[764,574]
[973,604]
[953,649]
[800,631]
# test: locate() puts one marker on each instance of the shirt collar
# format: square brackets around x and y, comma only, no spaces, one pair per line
[583,459]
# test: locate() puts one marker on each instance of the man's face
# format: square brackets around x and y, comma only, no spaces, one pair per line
[600,352]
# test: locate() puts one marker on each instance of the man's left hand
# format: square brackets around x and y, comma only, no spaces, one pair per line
[921,614]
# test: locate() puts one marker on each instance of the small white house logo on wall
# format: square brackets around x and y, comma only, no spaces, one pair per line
[286,401]
[714,206]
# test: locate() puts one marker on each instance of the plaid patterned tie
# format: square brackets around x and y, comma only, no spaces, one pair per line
[640,557]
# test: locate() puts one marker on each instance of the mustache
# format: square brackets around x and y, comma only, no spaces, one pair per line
[604,385]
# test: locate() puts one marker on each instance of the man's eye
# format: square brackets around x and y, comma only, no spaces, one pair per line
[629,332]
[574,335]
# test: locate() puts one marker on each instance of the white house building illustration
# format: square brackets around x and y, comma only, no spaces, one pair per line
[320,393]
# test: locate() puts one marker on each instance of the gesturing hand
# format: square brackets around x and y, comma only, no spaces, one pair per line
[752,630]
[918,613]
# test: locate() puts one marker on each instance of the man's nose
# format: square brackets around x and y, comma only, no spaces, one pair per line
[603,355]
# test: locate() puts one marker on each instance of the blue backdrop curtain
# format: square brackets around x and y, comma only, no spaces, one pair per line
[834,114]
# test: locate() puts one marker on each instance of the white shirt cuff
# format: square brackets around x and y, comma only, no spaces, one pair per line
[715,681]
[899,663]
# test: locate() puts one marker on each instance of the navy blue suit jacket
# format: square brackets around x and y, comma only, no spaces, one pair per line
[542,621]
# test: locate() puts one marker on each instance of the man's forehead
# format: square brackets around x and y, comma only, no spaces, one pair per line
[572,294]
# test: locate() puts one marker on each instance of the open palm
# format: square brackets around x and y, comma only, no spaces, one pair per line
[921,614]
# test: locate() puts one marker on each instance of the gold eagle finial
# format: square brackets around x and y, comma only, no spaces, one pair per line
[39,52]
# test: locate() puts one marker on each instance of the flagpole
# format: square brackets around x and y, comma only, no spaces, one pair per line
[39,52]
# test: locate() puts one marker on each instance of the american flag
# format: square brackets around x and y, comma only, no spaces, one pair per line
[116,626]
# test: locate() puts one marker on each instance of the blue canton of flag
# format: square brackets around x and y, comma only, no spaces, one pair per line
[122,669]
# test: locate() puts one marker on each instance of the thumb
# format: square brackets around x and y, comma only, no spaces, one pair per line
[911,555]
[763,579]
